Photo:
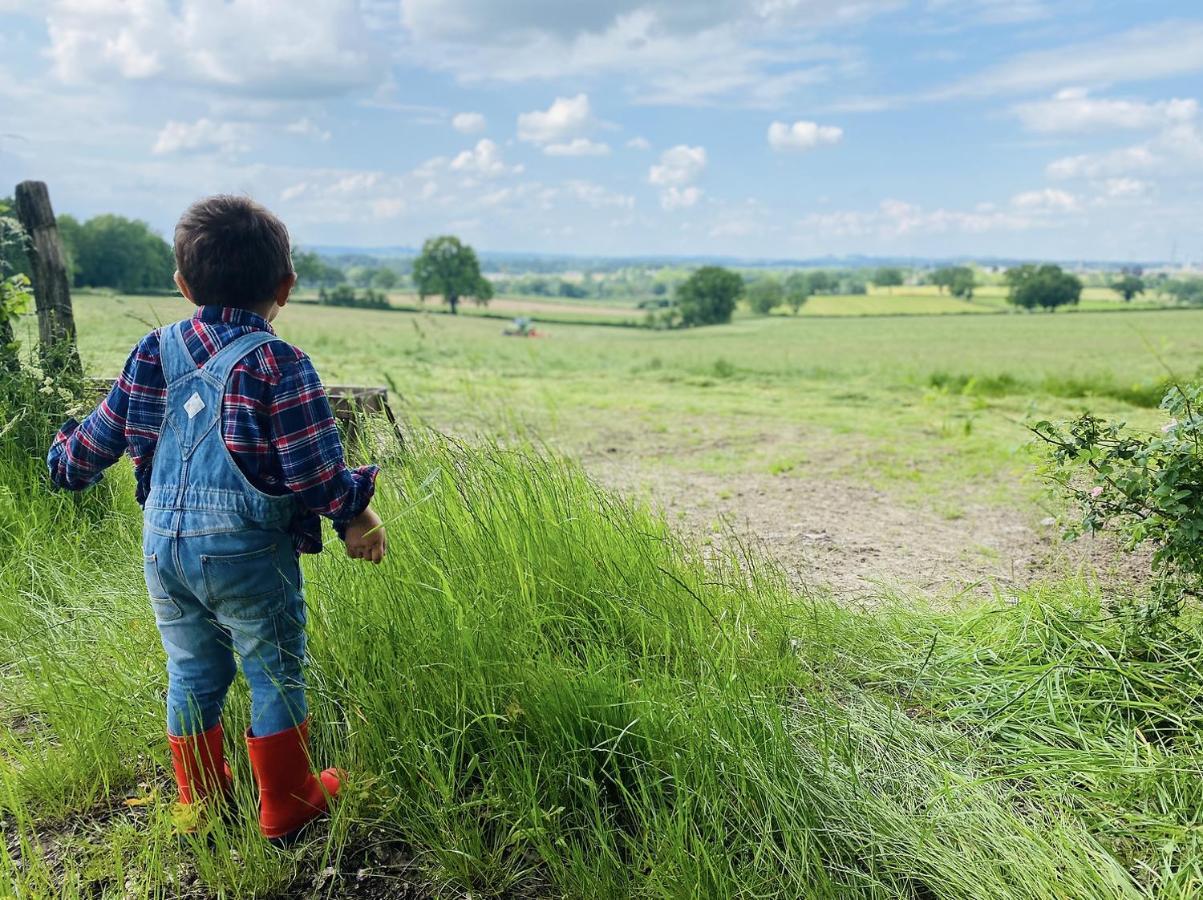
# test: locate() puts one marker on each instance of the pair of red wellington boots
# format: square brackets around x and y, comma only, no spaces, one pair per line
[290,794]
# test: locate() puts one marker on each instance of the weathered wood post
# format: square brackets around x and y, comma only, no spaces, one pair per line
[51,288]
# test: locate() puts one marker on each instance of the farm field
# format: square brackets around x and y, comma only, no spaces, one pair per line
[902,708]
[825,439]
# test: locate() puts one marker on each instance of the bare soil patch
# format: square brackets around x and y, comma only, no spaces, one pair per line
[860,542]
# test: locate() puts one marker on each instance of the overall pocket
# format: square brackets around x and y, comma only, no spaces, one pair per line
[166,609]
[245,586]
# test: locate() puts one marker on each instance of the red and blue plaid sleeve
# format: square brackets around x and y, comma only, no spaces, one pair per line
[82,451]
[309,449]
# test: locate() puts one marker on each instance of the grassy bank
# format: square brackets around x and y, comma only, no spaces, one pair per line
[543,691]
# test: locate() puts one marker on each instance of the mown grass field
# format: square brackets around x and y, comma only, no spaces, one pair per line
[547,691]
[930,405]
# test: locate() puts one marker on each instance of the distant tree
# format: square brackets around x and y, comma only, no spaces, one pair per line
[888,277]
[708,296]
[797,291]
[112,251]
[385,279]
[659,289]
[960,281]
[1128,286]
[821,282]
[313,271]
[361,276]
[450,269]
[1185,290]
[571,290]
[1047,286]
[765,295]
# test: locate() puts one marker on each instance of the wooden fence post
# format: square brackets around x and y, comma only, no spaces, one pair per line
[51,288]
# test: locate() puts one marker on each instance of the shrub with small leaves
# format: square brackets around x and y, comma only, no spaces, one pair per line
[1146,487]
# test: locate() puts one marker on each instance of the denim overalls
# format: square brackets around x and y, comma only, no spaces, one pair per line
[220,566]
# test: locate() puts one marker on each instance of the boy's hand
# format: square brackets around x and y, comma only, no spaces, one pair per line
[365,537]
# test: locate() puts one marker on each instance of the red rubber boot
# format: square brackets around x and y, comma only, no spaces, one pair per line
[200,765]
[290,795]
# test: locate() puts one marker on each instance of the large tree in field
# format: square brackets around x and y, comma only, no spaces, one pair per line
[708,296]
[888,277]
[116,252]
[765,295]
[797,291]
[1128,286]
[1046,286]
[450,269]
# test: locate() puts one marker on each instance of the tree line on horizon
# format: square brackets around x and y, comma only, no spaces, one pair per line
[126,255]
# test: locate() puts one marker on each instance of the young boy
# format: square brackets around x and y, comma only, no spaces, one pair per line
[236,454]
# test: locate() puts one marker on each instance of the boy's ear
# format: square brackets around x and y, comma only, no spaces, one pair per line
[183,287]
[287,283]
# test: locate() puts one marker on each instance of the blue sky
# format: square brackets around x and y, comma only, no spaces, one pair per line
[1065,129]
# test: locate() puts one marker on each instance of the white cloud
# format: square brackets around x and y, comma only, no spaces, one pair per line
[1052,199]
[679,198]
[802,135]
[201,136]
[468,122]
[565,118]
[577,147]
[306,127]
[896,219]
[1177,149]
[678,165]
[484,160]
[1124,189]
[282,48]
[639,143]
[1074,110]
[678,168]
[673,51]
[1098,165]
[1164,50]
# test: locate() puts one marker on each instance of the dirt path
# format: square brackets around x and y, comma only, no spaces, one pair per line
[858,541]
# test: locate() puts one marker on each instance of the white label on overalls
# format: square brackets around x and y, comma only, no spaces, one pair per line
[194,405]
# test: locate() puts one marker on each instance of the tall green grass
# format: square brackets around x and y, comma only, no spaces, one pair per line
[544,691]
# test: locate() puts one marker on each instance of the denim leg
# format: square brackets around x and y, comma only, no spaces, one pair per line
[200,663]
[251,585]
[273,660]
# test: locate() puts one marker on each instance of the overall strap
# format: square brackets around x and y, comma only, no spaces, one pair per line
[173,353]
[222,363]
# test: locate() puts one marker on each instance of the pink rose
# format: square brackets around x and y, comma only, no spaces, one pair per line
[1096,491]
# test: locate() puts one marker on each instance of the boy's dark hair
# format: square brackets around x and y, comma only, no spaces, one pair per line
[231,251]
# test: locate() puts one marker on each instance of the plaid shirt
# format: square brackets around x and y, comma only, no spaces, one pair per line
[276,422]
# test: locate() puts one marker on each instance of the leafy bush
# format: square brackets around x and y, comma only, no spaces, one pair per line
[1046,286]
[708,296]
[345,295]
[1147,488]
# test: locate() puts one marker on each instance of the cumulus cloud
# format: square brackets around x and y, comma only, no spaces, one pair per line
[201,136]
[265,47]
[483,160]
[1074,110]
[306,127]
[577,147]
[802,135]
[678,168]
[565,118]
[639,143]
[468,122]
[678,165]
[1052,199]
[678,198]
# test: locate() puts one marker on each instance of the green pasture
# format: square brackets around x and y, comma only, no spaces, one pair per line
[930,406]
